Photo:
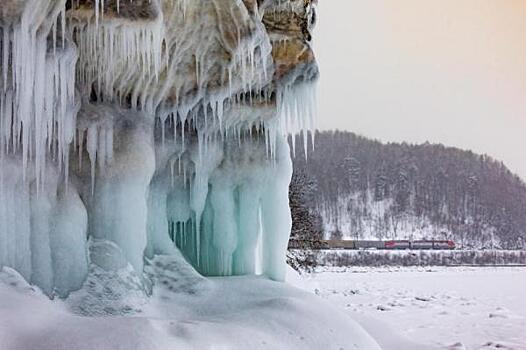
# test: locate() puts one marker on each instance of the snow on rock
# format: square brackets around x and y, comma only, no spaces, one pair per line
[112,287]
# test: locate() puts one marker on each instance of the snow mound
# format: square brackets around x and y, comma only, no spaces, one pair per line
[184,311]
[112,286]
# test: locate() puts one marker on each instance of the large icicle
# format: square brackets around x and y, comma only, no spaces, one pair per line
[37,92]
[275,213]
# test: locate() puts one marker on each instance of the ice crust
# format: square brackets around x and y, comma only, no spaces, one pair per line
[105,136]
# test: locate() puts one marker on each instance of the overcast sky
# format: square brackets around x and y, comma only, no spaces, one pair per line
[449,71]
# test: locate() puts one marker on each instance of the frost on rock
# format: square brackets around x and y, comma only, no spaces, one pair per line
[148,128]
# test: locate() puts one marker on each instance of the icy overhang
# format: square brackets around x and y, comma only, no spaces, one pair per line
[153,125]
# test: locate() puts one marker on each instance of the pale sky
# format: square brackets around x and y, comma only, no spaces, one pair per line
[449,71]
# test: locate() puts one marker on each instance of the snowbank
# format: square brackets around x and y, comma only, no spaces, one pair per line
[185,311]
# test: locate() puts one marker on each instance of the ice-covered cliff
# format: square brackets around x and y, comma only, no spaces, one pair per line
[153,125]
[143,147]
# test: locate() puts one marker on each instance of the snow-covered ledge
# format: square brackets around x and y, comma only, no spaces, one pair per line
[142,147]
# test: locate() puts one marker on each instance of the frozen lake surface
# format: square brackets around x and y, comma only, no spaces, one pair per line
[431,308]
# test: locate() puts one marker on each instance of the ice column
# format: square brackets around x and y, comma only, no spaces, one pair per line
[42,232]
[118,206]
[275,213]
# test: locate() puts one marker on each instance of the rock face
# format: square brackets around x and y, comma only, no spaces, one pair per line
[153,124]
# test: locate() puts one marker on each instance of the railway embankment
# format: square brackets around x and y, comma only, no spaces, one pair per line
[374,257]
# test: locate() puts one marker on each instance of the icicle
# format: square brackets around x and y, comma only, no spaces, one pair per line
[97,5]
[81,145]
[114,54]
[38,97]
[91,147]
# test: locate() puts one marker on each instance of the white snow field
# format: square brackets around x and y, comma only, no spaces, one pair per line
[431,308]
[185,311]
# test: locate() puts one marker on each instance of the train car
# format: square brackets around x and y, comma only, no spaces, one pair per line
[422,245]
[444,244]
[397,245]
[369,245]
[341,244]
[432,244]
[354,244]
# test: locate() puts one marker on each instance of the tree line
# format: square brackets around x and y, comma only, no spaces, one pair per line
[354,187]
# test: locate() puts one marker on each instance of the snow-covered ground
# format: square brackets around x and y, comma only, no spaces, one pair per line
[408,308]
[185,311]
[431,308]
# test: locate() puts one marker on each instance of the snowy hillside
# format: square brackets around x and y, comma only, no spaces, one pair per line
[357,188]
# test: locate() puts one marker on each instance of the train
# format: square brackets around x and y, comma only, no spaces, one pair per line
[364,244]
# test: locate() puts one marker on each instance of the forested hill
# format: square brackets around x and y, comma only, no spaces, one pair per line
[354,187]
